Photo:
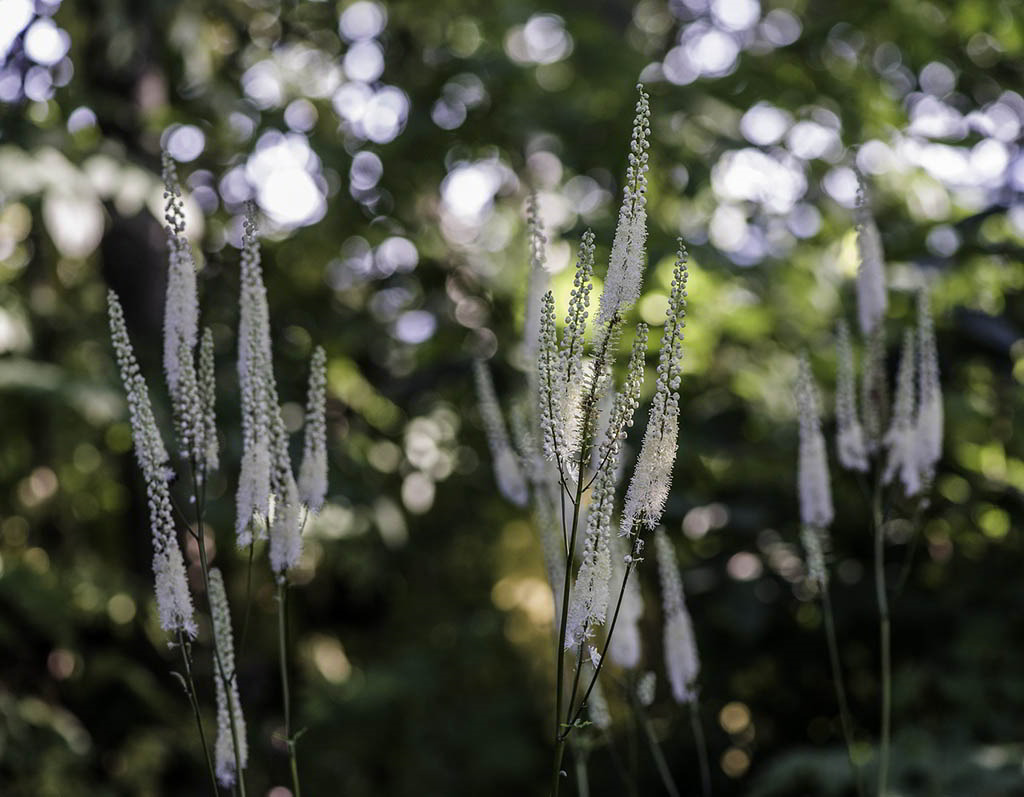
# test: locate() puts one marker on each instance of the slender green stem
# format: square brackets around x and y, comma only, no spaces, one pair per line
[845,717]
[702,746]
[659,758]
[193,698]
[248,599]
[282,640]
[885,634]
[556,768]
[604,650]
[915,537]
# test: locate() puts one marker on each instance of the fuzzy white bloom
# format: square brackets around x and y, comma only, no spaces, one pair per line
[258,394]
[189,412]
[681,661]
[208,398]
[874,391]
[812,469]
[229,705]
[901,439]
[645,688]
[816,543]
[313,470]
[590,598]
[571,374]
[548,386]
[625,646]
[181,308]
[871,290]
[507,470]
[173,600]
[853,453]
[652,474]
[929,409]
[285,522]
[628,257]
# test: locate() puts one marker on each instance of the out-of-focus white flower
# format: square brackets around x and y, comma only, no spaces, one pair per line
[929,409]
[681,660]
[853,454]
[902,439]
[812,469]
[313,470]
[508,471]
[871,290]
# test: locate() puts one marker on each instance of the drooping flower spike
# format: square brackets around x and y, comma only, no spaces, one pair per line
[872,300]
[508,471]
[929,410]
[174,602]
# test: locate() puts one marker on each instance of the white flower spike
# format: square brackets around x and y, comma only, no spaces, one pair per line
[682,663]
[812,470]
[852,451]
[174,602]
[229,705]
[313,470]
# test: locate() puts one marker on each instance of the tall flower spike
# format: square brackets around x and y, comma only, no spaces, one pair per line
[173,600]
[229,706]
[853,454]
[625,646]
[253,497]
[929,411]
[812,469]
[681,661]
[313,470]
[537,283]
[871,290]
[874,391]
[507,470]
[285,524]
[181,319]
[901,439]
[571,381]
[815,541]
[548,380]
[590,597]
[628,256]
[652,474]
[208,395]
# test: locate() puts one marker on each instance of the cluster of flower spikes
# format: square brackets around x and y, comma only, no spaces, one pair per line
[913,437]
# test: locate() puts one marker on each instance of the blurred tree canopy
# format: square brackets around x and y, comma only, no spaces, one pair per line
[389,148]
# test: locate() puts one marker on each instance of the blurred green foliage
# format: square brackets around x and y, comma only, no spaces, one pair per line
[422,648]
